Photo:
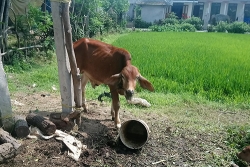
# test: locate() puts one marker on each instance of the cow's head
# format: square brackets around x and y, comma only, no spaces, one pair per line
[245,154]
[126,81]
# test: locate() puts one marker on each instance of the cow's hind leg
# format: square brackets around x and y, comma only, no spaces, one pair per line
[115,108]
[84,83]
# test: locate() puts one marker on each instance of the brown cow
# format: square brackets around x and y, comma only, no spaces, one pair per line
[245,154]
[101,63]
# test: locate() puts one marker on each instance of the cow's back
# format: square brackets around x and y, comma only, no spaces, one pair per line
[100,60]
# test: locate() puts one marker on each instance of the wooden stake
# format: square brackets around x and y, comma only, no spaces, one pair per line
[69,45]
[62,59]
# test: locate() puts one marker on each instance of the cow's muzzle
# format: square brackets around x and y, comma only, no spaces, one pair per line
[129,94]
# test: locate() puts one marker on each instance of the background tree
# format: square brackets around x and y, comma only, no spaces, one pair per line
[91,17]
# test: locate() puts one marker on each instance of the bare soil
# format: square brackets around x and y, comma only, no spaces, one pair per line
[166,146]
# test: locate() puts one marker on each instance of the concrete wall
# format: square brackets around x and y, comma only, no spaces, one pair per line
[152,13]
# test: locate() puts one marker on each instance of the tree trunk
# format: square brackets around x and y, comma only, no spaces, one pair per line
[45,125]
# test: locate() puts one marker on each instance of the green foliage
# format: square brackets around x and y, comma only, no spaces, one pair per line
[42,73]
[238,136]
[139,23]
[196,21]
[163,28]
[238,27]
[235,27]
[211,28]
[171,23]
[17,64]
[210,65]
[173,28]
[102,16]
[187,27]
[34,29]
[77,25]
[221,27]
[172,16]
[40,23]
[138,10]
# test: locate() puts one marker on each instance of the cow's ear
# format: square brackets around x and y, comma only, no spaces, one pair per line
[145,84]
[114,79]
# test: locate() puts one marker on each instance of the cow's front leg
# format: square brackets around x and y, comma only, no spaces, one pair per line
[84,81]
[115,108]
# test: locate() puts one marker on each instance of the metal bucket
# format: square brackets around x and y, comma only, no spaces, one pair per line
[134,133]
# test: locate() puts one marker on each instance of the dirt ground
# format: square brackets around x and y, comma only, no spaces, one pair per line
[165,147]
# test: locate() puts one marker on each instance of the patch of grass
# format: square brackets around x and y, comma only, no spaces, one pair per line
[214,66]
[41,75]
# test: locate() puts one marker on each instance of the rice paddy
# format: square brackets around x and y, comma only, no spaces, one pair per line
[215,66]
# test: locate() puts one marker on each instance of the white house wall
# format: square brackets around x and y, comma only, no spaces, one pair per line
[152,13]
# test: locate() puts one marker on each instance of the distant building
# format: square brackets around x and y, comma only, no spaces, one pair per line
[154,10]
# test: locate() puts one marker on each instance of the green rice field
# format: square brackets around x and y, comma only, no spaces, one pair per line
[215,66]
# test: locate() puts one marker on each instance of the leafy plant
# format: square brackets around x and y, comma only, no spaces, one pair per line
[139,23]
[35,28]
[221,27]
[171,21]
[172,15]
[238,27]
[211,28]
[187,27]
[196,21]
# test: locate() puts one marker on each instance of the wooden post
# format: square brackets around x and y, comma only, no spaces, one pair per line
[69,45]
[62,39]
[62,59]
